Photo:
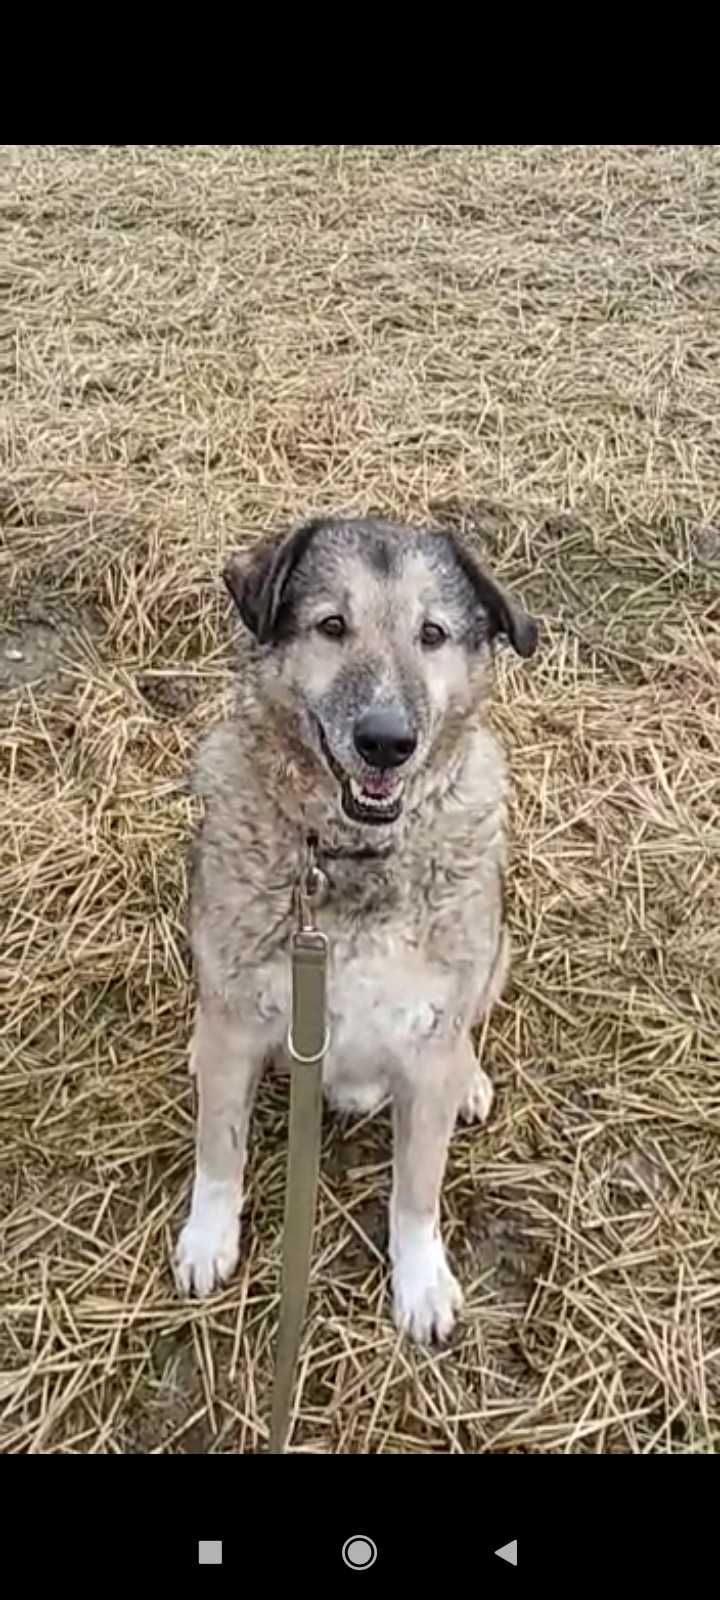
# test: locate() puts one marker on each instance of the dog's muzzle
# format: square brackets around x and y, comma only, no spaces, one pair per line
[377,800]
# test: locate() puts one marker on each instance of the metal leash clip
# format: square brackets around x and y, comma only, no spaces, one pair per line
[310,889]
[309,956]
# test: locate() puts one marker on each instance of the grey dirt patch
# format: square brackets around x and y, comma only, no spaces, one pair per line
[705,542]
[500,1243]
[41,645]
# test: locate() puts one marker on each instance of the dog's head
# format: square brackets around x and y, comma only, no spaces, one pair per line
[375,635]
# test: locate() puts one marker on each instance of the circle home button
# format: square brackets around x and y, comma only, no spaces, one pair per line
[359,1552]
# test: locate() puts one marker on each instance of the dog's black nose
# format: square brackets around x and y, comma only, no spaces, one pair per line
[383,738]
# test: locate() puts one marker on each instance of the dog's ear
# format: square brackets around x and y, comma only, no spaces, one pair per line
[257,580]
[505,615]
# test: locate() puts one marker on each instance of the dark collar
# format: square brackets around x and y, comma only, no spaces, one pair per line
[365,852]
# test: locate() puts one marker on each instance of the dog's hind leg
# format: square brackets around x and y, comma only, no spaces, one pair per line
[426,1295]
[477,1102]
[228,1063]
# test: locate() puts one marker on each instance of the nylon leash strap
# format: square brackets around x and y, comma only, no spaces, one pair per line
[307,1043]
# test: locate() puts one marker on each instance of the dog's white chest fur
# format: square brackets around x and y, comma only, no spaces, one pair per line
[385,1001]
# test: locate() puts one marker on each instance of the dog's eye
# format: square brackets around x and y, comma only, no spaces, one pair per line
[432,635]
[332,627]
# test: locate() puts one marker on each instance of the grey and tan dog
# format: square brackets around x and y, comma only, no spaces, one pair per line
[363,682]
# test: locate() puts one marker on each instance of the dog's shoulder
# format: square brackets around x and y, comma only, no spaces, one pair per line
[235,819]
[222,763]
[483,774]
[459,851]
[474,785]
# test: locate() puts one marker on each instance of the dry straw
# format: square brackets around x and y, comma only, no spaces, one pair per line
[202,342]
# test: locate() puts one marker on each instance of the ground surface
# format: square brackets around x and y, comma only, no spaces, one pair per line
[200,343]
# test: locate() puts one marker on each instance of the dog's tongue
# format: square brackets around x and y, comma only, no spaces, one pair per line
[380,785]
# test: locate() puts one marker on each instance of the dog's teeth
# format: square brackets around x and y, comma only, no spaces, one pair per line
[377,802]
[366,799]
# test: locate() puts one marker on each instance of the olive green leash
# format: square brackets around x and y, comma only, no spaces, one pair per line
[307,1043]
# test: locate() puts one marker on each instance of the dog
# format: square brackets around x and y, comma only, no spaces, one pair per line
[363,681]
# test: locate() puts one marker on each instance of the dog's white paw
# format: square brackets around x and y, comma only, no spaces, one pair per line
[206,1258]
[209,1244]
[426,1296]
[477,1103]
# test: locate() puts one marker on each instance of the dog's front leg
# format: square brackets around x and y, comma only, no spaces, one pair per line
[227,1062]
[426,1296]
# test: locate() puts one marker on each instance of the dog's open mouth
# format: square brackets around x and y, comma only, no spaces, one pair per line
[378,799]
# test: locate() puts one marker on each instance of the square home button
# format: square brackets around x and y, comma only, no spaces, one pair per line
[210,1552]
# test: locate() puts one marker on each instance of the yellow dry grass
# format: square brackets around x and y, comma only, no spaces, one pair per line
[202,342]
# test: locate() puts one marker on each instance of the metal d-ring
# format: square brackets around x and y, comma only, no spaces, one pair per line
[308,1061]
